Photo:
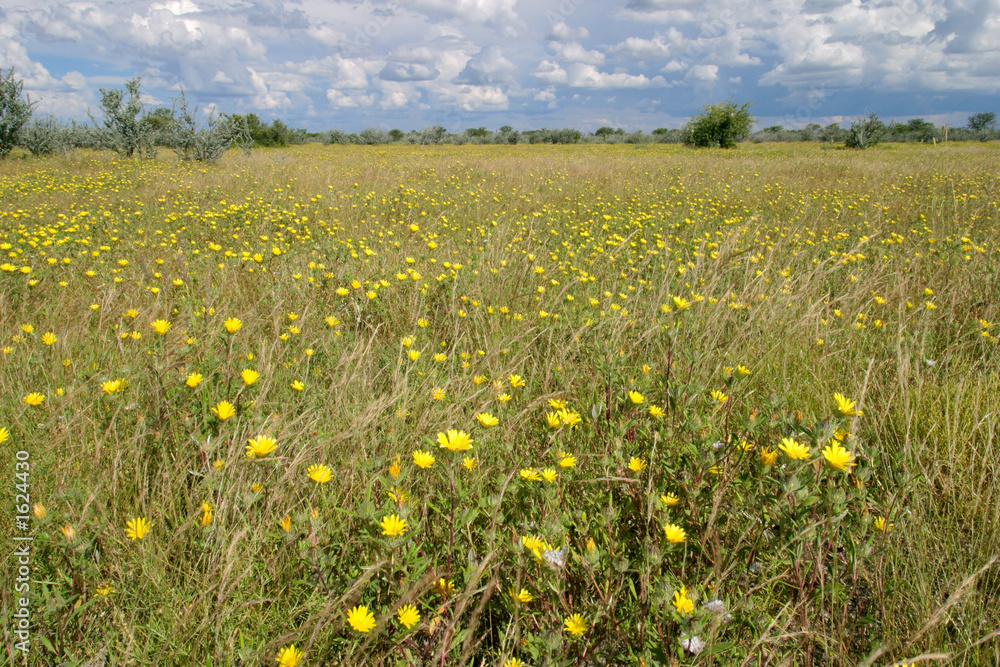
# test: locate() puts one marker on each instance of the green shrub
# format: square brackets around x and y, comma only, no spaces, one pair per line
[719,125]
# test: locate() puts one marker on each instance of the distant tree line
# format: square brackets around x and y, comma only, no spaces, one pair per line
[126,126]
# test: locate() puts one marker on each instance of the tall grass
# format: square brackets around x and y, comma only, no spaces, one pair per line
[590,272]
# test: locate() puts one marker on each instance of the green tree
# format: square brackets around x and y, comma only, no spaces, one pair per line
[865,132]
[982,121]
[124,131]
[719,125]
[15,111]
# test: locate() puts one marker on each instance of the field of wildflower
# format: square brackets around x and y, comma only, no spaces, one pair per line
[531,405]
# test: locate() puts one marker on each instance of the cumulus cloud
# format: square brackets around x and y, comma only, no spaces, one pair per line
[573,52]
[489,66]
[408,72]
[562,32]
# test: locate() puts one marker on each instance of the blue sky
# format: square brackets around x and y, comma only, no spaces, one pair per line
[635,64]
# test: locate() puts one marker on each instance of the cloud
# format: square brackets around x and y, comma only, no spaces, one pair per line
[349,100]
[470,11]
[562,32]
[408,72]
[573,52]
[264,97]
[703,73]
[489,66]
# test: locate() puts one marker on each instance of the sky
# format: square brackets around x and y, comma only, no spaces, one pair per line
[408,64]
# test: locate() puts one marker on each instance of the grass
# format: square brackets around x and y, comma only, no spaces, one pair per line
[591,299]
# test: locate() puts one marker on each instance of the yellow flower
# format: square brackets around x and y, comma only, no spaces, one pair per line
[394,468]
[718,396]
[34,399]
[206,514]
[486,420]
[398,495]
[297,385]
[361,619]
[444,587]
[406,341]
[320,473]
[218,464]
[838,457]
[569,418]
[261,446]
[656,412]
[767,456]
[39,510]
[4,434]
[423,459]
[408,616]
[440,356]
[557,403]
[674,533]
[438,394]
[224,410]
[568,461]
[514,662]
[846,406]
[249,376]
[193,380]
[69,533]
[576,625]
[48,338]
[552,419]
[113,386]
[522,596]
[455,441]
[793,450]
[680,303]
[682,603]
[636,465]
[232,325]
[470,463]
[161,327]
[503,398]
[289,656]
[392,525]
[413,355]
[635,397]
[669,499]
[530,475]
[881,525]
[286,523]
[136,529]
[516,381]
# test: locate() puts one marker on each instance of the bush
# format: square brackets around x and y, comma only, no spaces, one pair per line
[45,137]
[15,111]
[124,132]
[191,142]
[719,125]
[866,132]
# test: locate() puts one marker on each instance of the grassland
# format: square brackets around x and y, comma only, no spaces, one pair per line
[643,344]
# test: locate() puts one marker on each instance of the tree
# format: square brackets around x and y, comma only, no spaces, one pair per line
[719,125]
[124,131]
[865,132]
[982,121]
[15,111]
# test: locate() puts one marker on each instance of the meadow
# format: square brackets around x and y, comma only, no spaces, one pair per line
[527,405]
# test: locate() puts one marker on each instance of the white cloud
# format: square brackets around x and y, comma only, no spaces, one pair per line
[551,72]
[472,11]
[703,73]
[482,98]
[562,32]
[573,52]
[264,98]
[349,100]
[489,66]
